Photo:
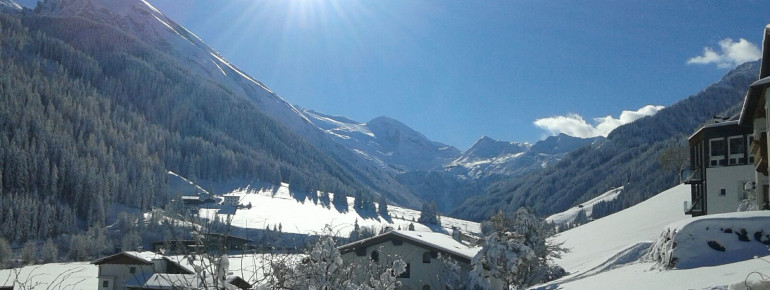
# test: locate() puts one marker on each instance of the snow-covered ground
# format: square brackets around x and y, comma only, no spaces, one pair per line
[276,206]
[609,253]
[84,275]
[588,206]
[78,275]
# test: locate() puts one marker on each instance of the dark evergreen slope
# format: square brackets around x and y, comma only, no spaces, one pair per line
[90,116]
[628,157]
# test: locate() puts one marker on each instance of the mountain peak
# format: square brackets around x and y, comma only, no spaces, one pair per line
[561,143]
[487,147]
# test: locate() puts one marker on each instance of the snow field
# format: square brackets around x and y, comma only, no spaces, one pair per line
[76,275]
[596,242]
[588,206]
[276,206]
[613,252]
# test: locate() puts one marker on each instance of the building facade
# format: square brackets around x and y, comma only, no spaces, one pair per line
[420,251]
[755,114]
[721,167]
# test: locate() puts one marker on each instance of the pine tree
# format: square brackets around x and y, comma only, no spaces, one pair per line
[429,214]
[382,207]
[506,257]
[580,218]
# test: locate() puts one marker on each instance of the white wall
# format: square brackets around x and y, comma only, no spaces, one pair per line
[731,179]
[119,273]
[420,273]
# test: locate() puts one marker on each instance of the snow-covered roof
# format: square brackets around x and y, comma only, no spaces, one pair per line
[434,241]
[145,257]
[440,241]
[715,125]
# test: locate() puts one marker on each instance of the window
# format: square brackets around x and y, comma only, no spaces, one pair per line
[106,284]
[717,150]
[132,270]
[406,273]
[375,256]
[426,257]
[426,287]
[397,242]
[737,149]
[722,192]
[361,252]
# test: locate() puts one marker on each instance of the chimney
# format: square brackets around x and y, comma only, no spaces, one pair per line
[456,235]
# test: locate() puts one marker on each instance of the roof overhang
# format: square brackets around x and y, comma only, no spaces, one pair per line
[405,238]
[751,101]
[755,91]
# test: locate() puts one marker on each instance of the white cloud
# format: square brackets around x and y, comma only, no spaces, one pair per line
[575,125]
[732,54]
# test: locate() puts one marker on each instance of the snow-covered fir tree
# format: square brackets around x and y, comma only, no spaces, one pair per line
[517,252]
[429,214]
[505,257]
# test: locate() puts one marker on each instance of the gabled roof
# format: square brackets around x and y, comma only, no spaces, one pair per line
[142,258]
[129,258]
[437,242]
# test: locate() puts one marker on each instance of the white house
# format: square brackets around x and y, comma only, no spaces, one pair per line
[755,114]
[148,270]
[420,251]
[130,270]
[721,166]
[232,199]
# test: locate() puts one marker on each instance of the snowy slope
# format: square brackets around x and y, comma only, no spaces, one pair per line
[595,242]
[276,206]
[141,19]
[610,253]
[386,141]
[77,275]
[570,214]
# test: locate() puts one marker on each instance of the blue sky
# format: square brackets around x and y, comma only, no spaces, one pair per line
[456,70]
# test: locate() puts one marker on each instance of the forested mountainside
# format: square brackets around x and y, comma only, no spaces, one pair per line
[488,161]
[140,21]
[91,116]
[629,157]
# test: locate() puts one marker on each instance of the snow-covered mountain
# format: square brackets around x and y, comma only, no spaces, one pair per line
[139,19]
[486,149]
[489,157]
[386,141]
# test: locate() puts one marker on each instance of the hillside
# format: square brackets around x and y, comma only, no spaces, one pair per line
[612,251]
[176,52]
[629,157]
[94,115]
[488,161]
[385,141]
[278,206]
